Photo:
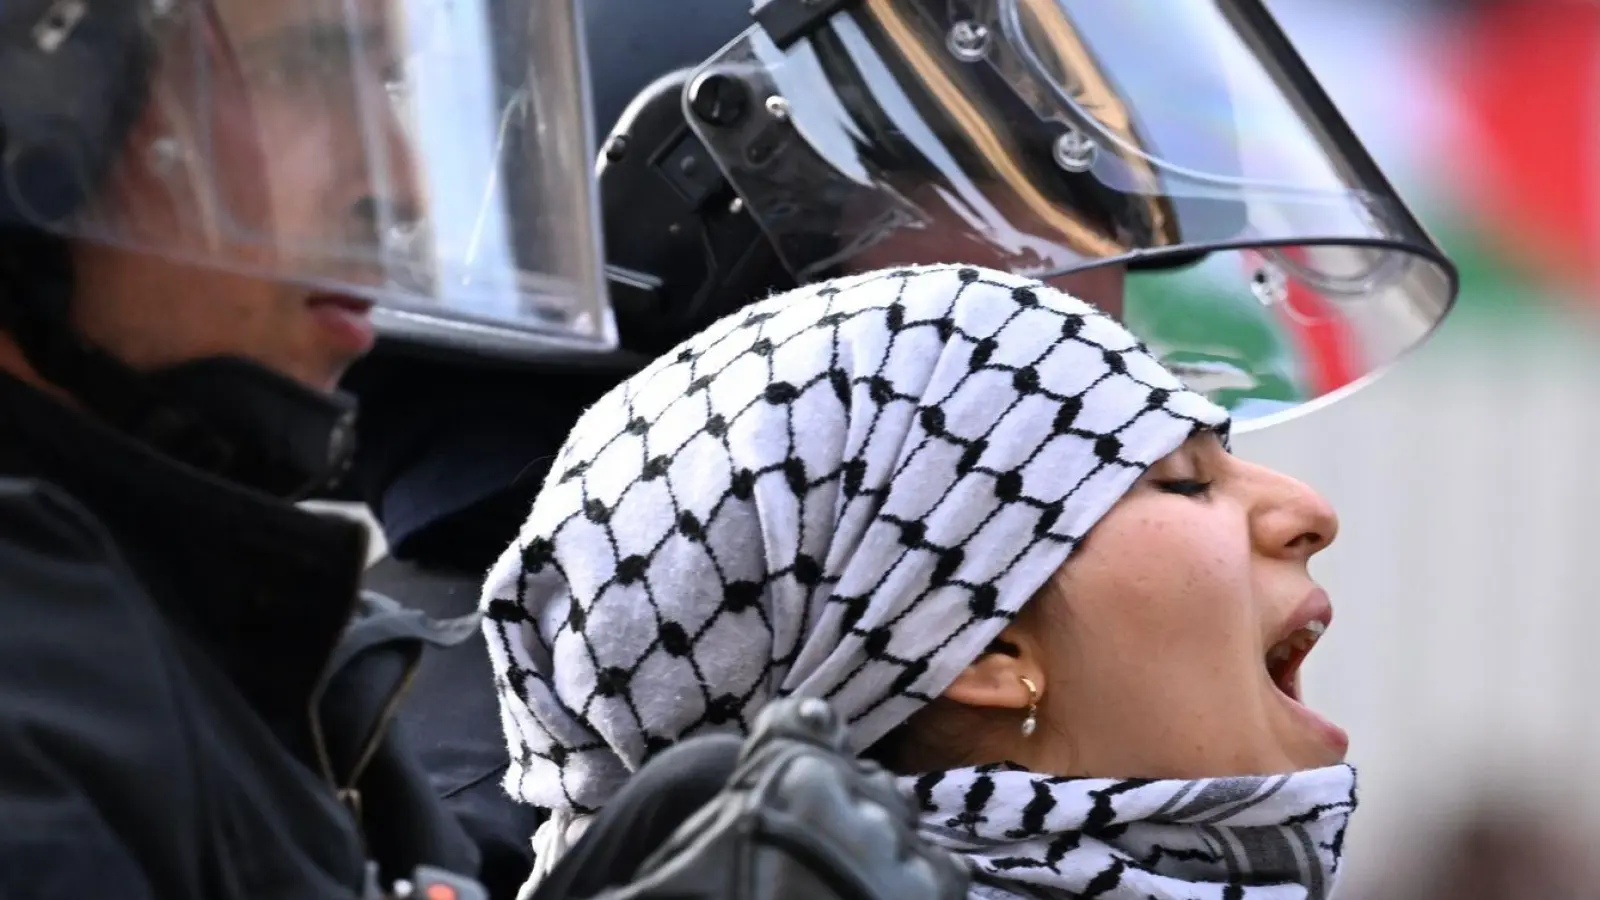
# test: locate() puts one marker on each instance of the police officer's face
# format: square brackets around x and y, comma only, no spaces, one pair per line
[269,145]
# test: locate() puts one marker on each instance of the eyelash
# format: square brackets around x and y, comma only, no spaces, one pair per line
[1185,487]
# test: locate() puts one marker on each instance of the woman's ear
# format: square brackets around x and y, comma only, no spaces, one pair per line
[995,679]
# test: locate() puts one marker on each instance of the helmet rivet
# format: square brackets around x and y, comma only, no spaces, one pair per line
[1270,285]
[969,41]
[1075,151]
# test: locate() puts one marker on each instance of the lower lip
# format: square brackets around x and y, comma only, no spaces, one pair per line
[350,328]
[1330,734]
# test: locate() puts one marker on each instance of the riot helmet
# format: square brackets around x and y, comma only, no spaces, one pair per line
[1271,263]
[430,158]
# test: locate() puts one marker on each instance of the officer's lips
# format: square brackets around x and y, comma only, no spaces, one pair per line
[346,321]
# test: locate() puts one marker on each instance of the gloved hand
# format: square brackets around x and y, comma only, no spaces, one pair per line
[800,818]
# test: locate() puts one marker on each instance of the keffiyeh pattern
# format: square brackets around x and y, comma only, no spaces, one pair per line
[1273,837]
[843,492]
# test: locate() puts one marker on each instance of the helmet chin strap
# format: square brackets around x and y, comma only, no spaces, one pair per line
[231,417]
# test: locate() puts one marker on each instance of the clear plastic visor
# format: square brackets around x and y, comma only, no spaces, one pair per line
[1047,137]
[431,156]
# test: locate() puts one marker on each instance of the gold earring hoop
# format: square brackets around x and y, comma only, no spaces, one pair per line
[1031,723]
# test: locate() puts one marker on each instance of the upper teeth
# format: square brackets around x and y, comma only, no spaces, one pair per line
[1302,639]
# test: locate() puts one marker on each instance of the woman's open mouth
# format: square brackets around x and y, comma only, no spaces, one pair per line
[1283,661]
[1285,657]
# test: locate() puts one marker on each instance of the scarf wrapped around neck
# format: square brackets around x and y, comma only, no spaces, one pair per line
[846,492]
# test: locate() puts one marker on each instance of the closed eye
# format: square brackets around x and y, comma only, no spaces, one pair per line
[1184,487]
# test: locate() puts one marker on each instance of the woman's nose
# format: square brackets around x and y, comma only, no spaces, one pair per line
[1290,519]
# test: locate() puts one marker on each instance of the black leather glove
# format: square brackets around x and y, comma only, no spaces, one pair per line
[800,818]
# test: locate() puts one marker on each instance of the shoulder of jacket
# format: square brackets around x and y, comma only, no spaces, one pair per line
[40,517]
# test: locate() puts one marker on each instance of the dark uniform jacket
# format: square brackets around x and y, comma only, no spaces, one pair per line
[451,716]
[194,699]
[450,459]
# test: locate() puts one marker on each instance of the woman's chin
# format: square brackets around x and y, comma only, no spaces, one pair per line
[1309,741]
[1320,742]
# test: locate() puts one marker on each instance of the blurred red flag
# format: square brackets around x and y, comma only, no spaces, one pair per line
[1528,73]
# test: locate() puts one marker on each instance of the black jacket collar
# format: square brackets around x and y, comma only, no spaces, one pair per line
[268,586]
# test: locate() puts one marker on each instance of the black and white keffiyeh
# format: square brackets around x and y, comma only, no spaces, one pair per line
[846,492]
[1246,838]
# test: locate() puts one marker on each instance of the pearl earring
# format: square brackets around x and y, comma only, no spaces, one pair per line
[1031,723]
